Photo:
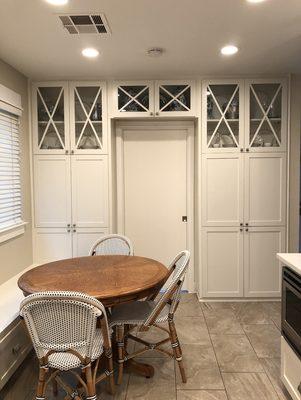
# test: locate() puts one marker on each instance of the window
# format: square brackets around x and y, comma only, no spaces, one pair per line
[10,185]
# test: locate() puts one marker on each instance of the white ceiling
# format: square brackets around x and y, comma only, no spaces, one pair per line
[191,31]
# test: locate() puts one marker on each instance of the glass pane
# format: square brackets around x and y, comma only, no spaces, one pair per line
[223,136]
[171,99]
[265,136]
[222,95]
[265,94]
[87,138]
[133,98]
[50,96]
[88,95]
[59,112]
[212,110]
[51,139]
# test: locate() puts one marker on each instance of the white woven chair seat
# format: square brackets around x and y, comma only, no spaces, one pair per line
[67,361]
[135,313]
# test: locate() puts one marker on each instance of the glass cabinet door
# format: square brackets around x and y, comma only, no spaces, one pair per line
[50,115]
[134,99]
[266,120]
[223,116]
[87,116]
[174,98]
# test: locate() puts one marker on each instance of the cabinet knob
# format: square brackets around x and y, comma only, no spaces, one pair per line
[241,224]
[247,224]
[74,230]
[241,229]
[72,151]
[151,113]
[247,150]
[247,229]
[241,150]
[68,225]
[66,151]
[157,113]
[68,230]
[74,225]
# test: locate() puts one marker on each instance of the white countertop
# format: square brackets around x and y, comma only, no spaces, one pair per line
[292,260]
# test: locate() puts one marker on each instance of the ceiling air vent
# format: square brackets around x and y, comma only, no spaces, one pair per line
[82,24]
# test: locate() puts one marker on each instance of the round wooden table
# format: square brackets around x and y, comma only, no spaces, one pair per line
[110,279]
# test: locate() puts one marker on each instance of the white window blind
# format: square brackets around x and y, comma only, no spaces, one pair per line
[10,185]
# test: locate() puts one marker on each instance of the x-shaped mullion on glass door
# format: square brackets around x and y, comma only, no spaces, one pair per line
[176,98]
[133,98]
[88,115]
[265,115]
[223,116]
[50,116]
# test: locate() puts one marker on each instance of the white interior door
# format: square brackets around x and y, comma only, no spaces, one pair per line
[155,189]
[52,191]
[262,269]
[222,189]
[265,190]
[90,191]
[222,255]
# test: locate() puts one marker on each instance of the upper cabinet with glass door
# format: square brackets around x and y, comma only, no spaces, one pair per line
[88,118]
[222,122]
[266,115]
[50,118]
[174,98]
[152,99]
[132,99]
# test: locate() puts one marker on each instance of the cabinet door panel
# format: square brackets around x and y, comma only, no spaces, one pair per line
[52,197]
[262,269]
[50,118]
[222,262]
[174,98]
[88,116]
[84,238]
[222,190]
[223,116]
[132,99]
[90,191]
[265,189]
[52,244]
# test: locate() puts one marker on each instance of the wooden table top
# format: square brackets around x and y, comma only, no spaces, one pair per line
[111,279]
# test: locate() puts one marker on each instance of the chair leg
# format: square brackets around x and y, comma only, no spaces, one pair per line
[175,344]
[54,388]
[40,394]
[120,345]
[109,358]
[91,391]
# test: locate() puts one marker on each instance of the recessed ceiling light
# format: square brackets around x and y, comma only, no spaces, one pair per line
[155,52]
[90,52]
[57,2]
[255,1]
[229,50]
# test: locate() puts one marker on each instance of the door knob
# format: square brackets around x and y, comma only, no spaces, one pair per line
[184,218]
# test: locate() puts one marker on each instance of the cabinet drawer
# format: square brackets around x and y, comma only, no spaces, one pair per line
[14,346]
[290,370]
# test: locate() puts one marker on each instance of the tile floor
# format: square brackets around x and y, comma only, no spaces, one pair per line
[231,352]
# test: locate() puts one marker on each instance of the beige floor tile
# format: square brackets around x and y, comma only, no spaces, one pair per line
[160,386]
[120,390]
[189,306]
[201,395]
[274,310]
[222,321]
[255,313]
[272,367]
[265,339]
[192,330]
[249,386]
[153,335]
[201,368]
[235,306]
[235,354]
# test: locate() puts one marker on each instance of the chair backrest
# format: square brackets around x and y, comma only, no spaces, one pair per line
[113,244]
[172,293]
[62,321]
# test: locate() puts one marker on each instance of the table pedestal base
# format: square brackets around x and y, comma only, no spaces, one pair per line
[140,368]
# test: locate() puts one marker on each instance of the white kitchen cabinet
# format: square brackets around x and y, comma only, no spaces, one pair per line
[51,244]
[88,117]
[84,238]
[265,189]
[52,195]
[266,115]
[90,191]
[50,118]
[262,269]
[222,116]
[222,188]
[222,255]
[152,99]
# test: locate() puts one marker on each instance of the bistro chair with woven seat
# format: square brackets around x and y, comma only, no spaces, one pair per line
[113,244]
[152,312]
[63,329]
